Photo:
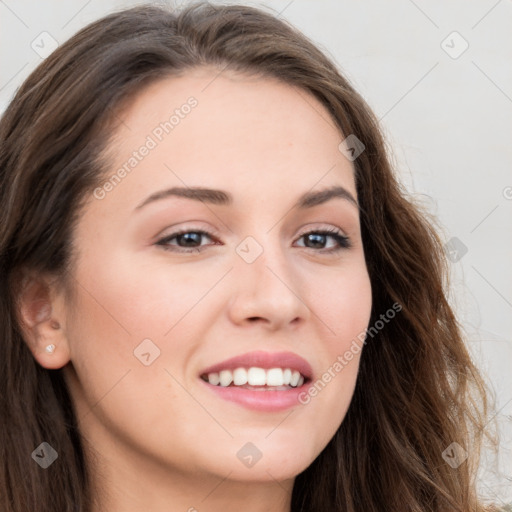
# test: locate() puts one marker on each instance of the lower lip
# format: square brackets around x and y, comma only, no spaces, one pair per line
[268,401]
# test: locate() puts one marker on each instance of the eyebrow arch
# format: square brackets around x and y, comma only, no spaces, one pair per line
[220,197]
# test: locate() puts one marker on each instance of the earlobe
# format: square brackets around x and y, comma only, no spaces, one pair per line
[41,324]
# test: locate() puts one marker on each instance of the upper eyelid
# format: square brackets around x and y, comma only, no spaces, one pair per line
[177,232]
[214,235]
[214,232]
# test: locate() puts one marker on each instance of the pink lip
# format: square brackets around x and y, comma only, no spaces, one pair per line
[265,360]
[270,400]
[266,401]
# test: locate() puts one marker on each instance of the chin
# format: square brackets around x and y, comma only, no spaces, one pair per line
[268,472]
[260,460]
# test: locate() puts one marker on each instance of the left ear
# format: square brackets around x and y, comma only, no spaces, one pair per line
[41,315]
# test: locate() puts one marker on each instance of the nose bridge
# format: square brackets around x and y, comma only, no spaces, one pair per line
[266,285]
[264,257]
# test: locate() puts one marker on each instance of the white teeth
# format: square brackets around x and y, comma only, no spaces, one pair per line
[213,378]
[275,377]
[254,376]
[239,377]
[295,378]
[226,378]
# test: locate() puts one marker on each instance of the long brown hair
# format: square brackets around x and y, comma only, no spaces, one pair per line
[417,390]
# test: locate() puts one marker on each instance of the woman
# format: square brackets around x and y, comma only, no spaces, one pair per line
[215,293]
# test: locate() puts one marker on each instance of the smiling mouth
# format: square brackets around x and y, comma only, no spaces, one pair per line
[257,379]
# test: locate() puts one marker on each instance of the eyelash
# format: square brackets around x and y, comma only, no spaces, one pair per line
[342,240]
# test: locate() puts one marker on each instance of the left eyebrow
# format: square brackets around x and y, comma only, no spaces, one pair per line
[220,197]
[310,199]
[206,195]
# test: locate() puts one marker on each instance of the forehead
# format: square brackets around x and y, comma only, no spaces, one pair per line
[228,130]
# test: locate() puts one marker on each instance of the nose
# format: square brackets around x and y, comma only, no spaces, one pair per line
[268,293]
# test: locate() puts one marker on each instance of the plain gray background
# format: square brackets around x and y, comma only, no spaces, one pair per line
[439,76]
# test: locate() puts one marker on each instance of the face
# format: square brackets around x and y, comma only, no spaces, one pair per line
[171,282]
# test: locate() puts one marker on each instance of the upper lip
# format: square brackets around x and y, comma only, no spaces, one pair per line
[264,360]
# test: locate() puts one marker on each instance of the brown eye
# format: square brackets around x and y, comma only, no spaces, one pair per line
[186,239]
[190,241]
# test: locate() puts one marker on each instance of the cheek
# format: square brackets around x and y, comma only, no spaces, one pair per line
[128,296]
[124,309]
[119,308]
[344,306]
[344,309]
